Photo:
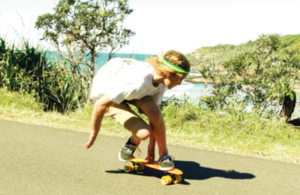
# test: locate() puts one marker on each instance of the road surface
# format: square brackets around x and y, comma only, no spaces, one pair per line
[42,160]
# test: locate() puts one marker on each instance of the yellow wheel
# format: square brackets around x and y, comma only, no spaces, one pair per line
[140,168]
[128,168]
[166,180]
[177,178]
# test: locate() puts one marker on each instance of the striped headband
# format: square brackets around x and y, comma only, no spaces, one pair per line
[174,67]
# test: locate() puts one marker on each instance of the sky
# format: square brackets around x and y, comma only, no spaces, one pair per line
[161,25]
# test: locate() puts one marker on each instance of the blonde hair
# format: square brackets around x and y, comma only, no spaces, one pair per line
[172,56]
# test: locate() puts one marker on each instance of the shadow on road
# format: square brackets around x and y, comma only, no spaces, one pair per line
[193,170]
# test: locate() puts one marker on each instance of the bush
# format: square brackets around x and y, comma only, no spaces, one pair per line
[262,73]
[27,70]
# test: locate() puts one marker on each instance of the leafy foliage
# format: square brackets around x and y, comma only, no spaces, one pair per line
[27,70]
[263,73]
[222,53]
[84,28]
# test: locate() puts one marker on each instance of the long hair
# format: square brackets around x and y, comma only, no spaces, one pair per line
[172,56]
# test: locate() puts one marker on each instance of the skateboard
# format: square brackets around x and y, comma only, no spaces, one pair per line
[172,176]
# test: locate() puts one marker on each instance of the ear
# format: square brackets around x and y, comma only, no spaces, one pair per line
[170,74]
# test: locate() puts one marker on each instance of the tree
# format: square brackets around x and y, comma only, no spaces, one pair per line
[81,29]
[263,74]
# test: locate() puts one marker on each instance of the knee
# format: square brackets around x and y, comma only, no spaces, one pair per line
[143,134]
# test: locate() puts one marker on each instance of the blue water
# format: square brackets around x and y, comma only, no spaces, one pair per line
[195,90]
[192,90]
[103,57]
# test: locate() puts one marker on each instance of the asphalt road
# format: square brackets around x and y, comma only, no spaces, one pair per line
[42,160]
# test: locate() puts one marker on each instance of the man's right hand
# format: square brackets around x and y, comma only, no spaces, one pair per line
[93,136]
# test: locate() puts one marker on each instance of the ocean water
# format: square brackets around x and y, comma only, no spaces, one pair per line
[193,90]
[103,57]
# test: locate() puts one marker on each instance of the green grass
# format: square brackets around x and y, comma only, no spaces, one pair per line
[23,108]
[192,126]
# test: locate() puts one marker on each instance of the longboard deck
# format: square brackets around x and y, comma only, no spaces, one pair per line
[154,166]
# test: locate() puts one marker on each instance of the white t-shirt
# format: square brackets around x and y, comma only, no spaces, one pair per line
[126,79]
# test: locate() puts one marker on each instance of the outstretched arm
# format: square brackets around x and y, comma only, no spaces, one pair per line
[151,147]
[99,110]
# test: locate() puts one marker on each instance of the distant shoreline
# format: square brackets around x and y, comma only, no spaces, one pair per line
[199,80]
[202,80]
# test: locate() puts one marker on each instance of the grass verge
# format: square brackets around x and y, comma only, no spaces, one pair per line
[192,126]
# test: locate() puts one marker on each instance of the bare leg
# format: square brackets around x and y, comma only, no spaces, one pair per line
[140,131]
[126,117]
[150,108]
[139,128]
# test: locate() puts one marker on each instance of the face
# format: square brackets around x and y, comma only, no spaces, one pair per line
[173,80]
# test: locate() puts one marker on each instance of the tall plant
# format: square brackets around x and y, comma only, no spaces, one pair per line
[64,92]
[21,67]
[27,70]
[81,29]
[263,73]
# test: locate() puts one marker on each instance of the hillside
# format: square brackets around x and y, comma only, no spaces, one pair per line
[221,53]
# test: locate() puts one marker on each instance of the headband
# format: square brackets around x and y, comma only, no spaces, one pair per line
[174,67]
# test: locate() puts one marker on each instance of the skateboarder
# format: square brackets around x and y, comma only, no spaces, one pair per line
[121,82]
